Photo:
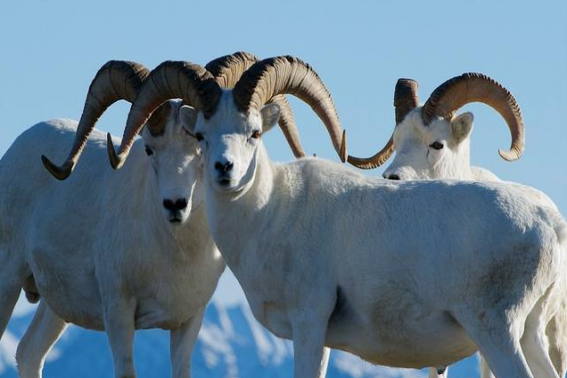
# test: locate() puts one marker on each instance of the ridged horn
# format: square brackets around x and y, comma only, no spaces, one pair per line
[116,80]
[288,75]
[405,100]
[227,71]
[475,87]
[171,79]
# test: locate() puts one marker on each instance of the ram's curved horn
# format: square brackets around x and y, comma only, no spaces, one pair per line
[405,100]
[228,70]
[289,75]
[116,80]
[475,87]
[191,82]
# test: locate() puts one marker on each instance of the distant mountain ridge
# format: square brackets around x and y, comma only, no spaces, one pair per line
[232,344]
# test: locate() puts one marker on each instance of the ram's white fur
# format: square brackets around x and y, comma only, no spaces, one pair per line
[327,256]
[103,250]
[417,159]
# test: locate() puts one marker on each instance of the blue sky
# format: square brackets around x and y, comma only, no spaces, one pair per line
[50,51]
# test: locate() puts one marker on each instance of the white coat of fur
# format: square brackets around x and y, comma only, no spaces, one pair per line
[103,250]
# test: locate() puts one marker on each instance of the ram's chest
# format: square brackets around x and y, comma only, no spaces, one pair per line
[268,280]
[170,291]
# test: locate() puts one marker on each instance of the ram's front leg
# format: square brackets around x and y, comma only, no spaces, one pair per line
[119,323]
[182,343]
[310,325]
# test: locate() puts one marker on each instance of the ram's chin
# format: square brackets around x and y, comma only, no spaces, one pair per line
[224,185]
[178,218]
[231,186]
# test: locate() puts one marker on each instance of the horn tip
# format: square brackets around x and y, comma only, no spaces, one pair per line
[343,149]
[509,155]
[115,160]
[60,173]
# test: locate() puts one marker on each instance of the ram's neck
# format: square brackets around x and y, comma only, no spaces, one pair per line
[464,161]
[455,167]
[236,219]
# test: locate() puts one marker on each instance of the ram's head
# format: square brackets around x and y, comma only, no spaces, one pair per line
[431,142]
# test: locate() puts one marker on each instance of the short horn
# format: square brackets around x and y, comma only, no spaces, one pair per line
[188,81]
[116,80]
[474,87]
[405,100]
[288,75]
[228,70]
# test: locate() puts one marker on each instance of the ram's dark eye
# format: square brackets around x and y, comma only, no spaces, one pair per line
[149,151]
[436,145]
[199,137]
[256,134]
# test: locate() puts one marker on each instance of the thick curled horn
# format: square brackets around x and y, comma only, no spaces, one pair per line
[475,87]
[288,75]
[116,80]
[228,70]
[191,82]
[405,100]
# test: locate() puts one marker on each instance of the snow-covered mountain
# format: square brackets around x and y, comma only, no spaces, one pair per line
[232,344]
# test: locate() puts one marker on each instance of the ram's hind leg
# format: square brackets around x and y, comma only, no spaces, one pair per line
[44,330]
[557,334]
[535,344]
[12,277]
[498,339]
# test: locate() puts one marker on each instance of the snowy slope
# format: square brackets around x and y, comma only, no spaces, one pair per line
[231,345]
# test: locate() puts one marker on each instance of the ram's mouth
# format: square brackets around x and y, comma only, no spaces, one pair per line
[176,218]
[225,185]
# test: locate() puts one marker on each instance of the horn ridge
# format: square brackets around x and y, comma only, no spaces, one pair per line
[405,98]
[171,79]
[102,93]
[228,70]
[288,75]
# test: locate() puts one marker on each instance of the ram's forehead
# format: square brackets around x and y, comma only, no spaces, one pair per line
[438,128]
[411,127]
[228,118]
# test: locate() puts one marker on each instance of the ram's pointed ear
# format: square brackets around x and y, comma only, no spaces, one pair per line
[270,115]
[461,126]
[188,117]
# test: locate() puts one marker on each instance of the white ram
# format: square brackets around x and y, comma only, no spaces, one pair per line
[114,251]
[437,146]
[327,256]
